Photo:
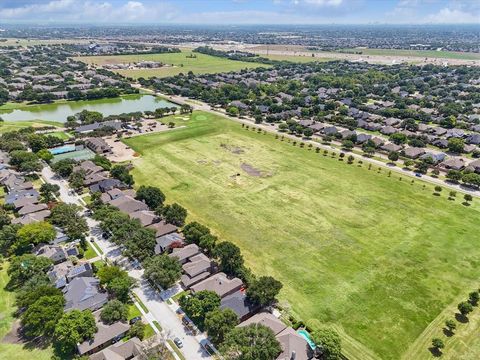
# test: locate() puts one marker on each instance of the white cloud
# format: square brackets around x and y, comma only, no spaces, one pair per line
[319,3]
[453,16]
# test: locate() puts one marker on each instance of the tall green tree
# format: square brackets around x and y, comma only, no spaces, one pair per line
[264,290]
[151,195]
[252,342]
[114,311]
[329,343]
[197,305]
[230,258]
[25,267]
[218,323]
[162,270]
[74,327]
[42,316]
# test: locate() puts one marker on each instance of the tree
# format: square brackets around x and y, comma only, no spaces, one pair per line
[8,238]
[467,198]
[114,311]
[451,325]
[465,308]
[218,323]
[197,306]
[163,270]
[49,191]
[208,243]
[68,217]
[26,297]
[393,156]
[120,287]
[4,219]
[473,298]
[471,179]
[398,138]
[438,189]
[308,132]
[41,317]
[107,274]
[230,258]
[174,214]
[252,342]
[74,327]
[456,145]
[264,290]
[194,231]
[329,343]
[121,173]
[26,266]
[438,343]
[76,179]
[454,175]
[33,234]
[348,144]
[45,155]
[137,330]
[63,167]
[25,161]
[102,161]
[151,195]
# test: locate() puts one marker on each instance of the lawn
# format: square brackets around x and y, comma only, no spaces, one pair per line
[61,135]
[90,252]
[179,63]
[375,257]
[420,53]
[16,125]
[7,308]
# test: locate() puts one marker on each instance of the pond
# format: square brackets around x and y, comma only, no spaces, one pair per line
[60,111]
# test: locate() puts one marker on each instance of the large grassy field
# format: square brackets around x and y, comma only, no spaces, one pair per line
[7,308]
[179,63]
[376,257]
[16,125]
[420,53]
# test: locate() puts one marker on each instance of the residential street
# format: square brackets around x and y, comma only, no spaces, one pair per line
[159,310]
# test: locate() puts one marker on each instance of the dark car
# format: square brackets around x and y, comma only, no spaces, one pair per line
[135,319]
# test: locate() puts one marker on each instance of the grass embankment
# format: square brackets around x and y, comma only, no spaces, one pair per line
[7,126]
[375,257]
[10,350]
[178,63]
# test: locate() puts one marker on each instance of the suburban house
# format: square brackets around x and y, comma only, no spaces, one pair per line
[413,152]
[107,185]
[294,346]
[83,129]
[128,204]
[239,304]
[105,336]
[31,218]
[453,164]
[120,351]
[162,228]
[54,252]
[83,293]
[165,242]
[98,145]
[185,253]
[220,284]
[32,208]
[146,217]
[197,269]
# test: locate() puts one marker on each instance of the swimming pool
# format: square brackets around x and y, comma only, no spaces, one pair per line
[307,337]
[62,149]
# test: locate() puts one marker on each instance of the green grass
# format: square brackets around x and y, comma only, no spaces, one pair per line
[202,64]
[176,349]
[99,264]
[61,135]
[133,311]
[375,257]
[142,305]
[419,53]
[17,125]
[97,247]
[157,325]
[90,252]
[179,295]
[149,332]
[7,308]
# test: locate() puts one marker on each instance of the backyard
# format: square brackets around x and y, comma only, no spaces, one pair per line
[375,256]
[10,348]
[178,63]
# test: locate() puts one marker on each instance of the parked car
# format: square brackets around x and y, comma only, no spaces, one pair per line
[178,342]
[135,319]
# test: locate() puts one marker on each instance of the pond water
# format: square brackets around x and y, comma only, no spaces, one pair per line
[60,112]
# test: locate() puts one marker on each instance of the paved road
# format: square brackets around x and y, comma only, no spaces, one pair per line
[198,105]
[159,310]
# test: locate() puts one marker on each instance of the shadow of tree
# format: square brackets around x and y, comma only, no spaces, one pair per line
[435,351]
[447,332]
[461,318]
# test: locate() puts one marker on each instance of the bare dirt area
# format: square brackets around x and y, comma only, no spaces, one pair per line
[295,50]
[233,149]
[250,170]
[14,336]
[120,151]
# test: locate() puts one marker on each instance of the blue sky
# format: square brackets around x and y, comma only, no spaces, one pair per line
[242,11]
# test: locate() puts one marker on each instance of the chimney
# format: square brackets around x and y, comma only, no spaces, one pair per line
[294,355]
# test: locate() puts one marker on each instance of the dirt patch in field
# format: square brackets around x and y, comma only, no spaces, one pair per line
[233,149]
[202,162]
[14,336]
[250,170]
